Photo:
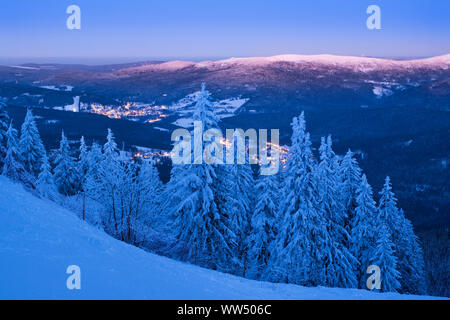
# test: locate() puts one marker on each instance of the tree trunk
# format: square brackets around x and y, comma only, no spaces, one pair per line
[121,218]
[128,230]
[114,213]
[84,205]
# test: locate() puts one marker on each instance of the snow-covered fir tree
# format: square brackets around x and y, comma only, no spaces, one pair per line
[94,159]
[239,205]
[363,230]
[126,200]
[297,256]
[339,262]
[66,174]
[383,257]
[110,149]
[105,184]
[193,193]
[411,264]
[83,163]
[350,175]
[83,168]
[204,110]
[145,200]
[387,207]
[406,247]
[234,197]
[30,145]
[92,177]
[263,225]
[4,120]
[150,188]
[45,184]
[13,167]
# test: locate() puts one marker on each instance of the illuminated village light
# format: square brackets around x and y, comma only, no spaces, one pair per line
[130,110]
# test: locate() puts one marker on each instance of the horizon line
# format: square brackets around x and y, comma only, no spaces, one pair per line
[83,60]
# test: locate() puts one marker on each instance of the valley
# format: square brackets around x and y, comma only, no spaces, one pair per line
[395,114]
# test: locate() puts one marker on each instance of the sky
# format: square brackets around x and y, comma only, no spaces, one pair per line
[127,30]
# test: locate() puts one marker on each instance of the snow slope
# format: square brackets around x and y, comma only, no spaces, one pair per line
[39,240]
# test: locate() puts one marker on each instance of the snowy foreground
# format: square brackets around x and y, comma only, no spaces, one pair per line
[39,240]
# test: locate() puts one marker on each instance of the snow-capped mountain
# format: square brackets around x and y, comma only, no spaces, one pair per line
[358,63]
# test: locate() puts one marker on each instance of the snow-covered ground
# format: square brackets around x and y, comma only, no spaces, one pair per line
[39,240]
[381,92]
[58,88]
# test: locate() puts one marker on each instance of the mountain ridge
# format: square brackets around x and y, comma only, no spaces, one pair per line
[442,60]
[295,58]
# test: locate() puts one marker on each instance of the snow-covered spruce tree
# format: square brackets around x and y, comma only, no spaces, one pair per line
[83,162]
[297,255]
[383,257]
[92,177]
[94,159]
[364,230]
[263,226]
[110,149]
[404,240]
[83,168]
[150,187]
[232,210]
[413,275]
[66,174]
[387,207]
[45,184]
[194,211]
[125,203]
[144,202]
[339,263]
[193,192]
[350,175]
[30,145]
[13,167]
[239,203]
[104,183]
[233,195]
[4,120]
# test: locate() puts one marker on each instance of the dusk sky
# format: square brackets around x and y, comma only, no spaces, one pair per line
[206,29]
